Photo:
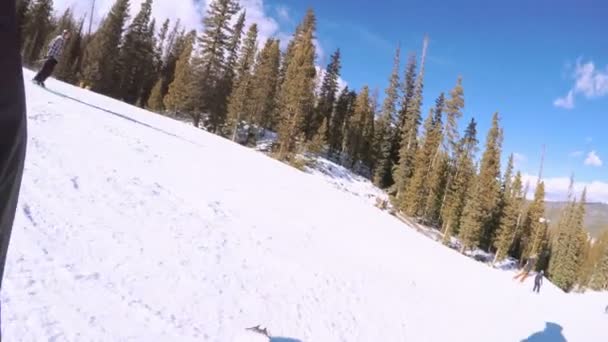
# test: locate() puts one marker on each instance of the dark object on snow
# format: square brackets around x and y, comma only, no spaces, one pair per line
[260,330]
[52,55]
[538,281]
[528,267]
[12,125]
[606,309]
[552,333]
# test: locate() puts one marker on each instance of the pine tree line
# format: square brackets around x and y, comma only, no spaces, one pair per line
[221,81]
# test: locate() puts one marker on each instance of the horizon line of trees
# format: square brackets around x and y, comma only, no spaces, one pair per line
[224,83]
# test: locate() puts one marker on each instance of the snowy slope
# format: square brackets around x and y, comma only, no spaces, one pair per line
[134,227]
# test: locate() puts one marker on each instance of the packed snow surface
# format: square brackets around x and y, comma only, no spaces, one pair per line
[135,227]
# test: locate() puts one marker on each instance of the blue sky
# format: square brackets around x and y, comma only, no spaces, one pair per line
[516,57]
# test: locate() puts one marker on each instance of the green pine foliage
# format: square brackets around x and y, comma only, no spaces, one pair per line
[511,218]
[327,94]
[263,99]
[461,184]
[409,132]
[357,145]
[101,70]
[567,247]
[238,106]
[426,159]
[22,9]
[136,55]
[478,221]
[385,130]
[210,66]
[338,124]
[180,97]
[437,188]
[535,225]
[296,98]
[37,30]
[598,260]
[155,101]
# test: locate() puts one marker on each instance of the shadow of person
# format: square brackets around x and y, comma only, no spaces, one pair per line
[552,333]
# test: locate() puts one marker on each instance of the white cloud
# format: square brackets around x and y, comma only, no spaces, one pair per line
[593,159]
[556,189]
[283,12]
[589,81]
[519,159]
[566,102]
[190,12]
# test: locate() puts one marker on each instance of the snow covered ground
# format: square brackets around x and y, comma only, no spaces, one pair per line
[135,227]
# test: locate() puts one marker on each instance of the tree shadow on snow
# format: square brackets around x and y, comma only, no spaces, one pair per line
[283,339]
[552,333]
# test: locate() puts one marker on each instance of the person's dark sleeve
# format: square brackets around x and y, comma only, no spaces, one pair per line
[12,125]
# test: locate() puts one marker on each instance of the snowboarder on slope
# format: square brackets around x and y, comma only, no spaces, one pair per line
[52,57]
[530,264]
[538,281]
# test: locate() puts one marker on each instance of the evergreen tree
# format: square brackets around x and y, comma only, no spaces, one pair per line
[327,94]
[510,219]
[426,158]
[101,60]
[461,184]
[592,253]
[136,55]
[343,108]
[319,141]
[227,84]
[385,130]
[354,136]
[179,99]
[22,17]
[262,104]
[241,95]
[36,30]
[535,225]
[598,279]
[159,50]
[453,109]
[211,66]
[567,247]
[155,102]
[296,100]
[478,221]
[437,189]
[407,92]
[308,23]
[409,131]
[173,49]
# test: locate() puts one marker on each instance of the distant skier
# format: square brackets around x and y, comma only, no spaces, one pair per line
[52,57]
[528,267]
[538,281]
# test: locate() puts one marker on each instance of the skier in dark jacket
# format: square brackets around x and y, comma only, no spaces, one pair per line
[538,281]
[52,57]
[12,125]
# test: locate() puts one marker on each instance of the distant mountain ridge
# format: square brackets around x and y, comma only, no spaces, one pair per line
[596,215]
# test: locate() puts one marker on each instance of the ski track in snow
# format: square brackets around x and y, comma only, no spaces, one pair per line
[150,230]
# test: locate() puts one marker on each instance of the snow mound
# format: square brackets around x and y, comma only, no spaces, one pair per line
[135,227]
